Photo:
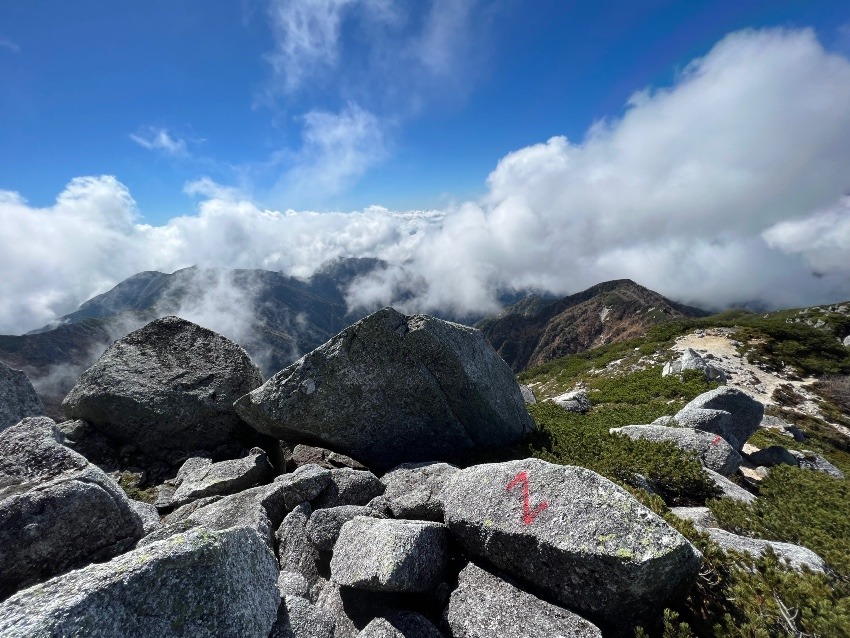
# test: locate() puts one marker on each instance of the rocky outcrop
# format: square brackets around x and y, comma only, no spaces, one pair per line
[691,360]
[390,555]
[196,584]
[714,452]
[200,477]
[170,384]
[484,605]
[57,511]
[415,490]
[745,414]
[541,524]
[18,399]
[795,555]
[392,389]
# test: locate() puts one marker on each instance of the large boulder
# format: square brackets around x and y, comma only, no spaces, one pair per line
[571,535]
[714,452]
[718,422]
[170,384]
[200,477]
[389,555]
[196,584]
[391,389]
[746,412]
[18,399]
[691,360]
[484,605]
[57,511]
[796,555]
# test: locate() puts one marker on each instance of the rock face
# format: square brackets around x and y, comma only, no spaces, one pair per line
[746,412]
[484,605]
[541,524]
[203,478]
[196,584]
[796,555]
[57,511]
[170,384]
[389,555]
[18,399]
[714,452]
[691,360]
[392,389]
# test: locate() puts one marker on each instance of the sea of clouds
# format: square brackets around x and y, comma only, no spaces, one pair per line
[728,187]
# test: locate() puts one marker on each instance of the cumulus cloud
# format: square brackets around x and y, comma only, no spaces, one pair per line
[159,139]
[727,187]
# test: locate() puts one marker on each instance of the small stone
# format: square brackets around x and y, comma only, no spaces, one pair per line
[575,401]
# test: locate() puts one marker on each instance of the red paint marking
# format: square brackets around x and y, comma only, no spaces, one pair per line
[716,440]
[528,515]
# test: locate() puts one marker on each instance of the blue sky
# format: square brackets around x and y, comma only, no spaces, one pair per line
[81,79]
[476,146]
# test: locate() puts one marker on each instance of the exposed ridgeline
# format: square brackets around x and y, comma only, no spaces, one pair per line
[276,318]
[536,330]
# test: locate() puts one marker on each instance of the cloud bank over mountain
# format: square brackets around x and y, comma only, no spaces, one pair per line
[728,186]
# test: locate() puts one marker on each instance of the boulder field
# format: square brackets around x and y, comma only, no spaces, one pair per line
[376,521]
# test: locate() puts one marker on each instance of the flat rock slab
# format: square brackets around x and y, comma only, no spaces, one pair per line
[570,534]
[389,555]
[169,385]
[796,555]
[57,511]
[203,479]
[484,605]
[18,399]
[701,517]
[713,450]
[415,490]
[392,389]
[195,585]
[746,412]
[730,489]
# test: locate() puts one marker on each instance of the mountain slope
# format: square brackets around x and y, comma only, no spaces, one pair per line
[536,330]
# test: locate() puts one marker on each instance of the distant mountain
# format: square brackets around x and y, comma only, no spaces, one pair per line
[536,329]
[276,318]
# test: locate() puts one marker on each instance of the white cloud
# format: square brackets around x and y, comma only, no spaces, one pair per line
[727,187]
[9,45]
[159,139]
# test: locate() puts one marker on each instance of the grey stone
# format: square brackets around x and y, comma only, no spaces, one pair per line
[796,555]
[713,450]
[349,487]
[700,516]
[575,401]
[527,394]
[148,514]
[811,461]
[691,360]
[570,534]
[401,625]
[795,433]
[225,477]
[484,605]
[746,412]
[307,454]
[18,399]
[295,551]
[669,421]
[330,599]
[392,389]
[773,455]
[293,584]
[259,508]
[846,341]
[325,524]
[184,511]
[414,490]
[730,489]
[170,384]
[57,510]
[196,584]
[298,618]
[389,555]
[717,422]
